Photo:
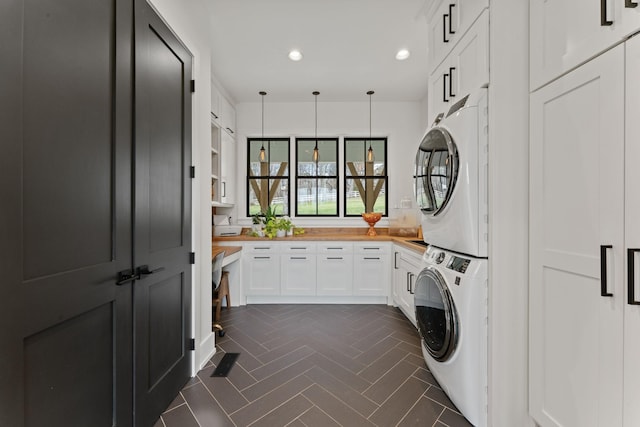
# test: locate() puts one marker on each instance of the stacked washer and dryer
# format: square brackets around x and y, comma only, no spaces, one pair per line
[451,290]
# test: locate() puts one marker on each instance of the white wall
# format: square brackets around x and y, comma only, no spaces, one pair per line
[400,122]
[508,213]
[190,25]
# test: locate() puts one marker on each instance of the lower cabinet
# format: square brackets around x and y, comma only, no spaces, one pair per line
[262,269]
[335,269]
[298,269]
[406,267]
[371,272]
[307,269]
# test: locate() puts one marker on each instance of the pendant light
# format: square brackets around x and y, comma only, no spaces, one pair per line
[263,154]
[316,153]
[370,155]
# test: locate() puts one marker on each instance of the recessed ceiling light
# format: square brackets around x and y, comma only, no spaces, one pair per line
[402,54]
[295,55]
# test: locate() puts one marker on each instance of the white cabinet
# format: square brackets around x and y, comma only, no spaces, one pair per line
[466,68]
[406,267]
[449,23]
[227,116]
[371,269]
[298,269]
[631,415]
[566,33]
[262,269]
[583,332]
[335,269]
[227,168]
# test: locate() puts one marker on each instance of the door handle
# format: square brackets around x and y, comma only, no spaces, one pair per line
[451,70]
[444,28]
[630,3]
[143,270]
[444,87]
[631,277]
[603,271]
[126,276]
[451,6]
[604,22]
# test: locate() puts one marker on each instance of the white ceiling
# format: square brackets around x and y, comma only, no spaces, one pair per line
[349,47]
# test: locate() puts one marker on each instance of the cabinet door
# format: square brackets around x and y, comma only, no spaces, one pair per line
[227,168]
[576,211]
[449,24]
[335,274]
[298,269]
[632,234]
[566,33]
[263,273]
[465,69]
[371,275]
[227,116]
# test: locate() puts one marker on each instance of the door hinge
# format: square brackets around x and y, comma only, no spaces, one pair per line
[192,343]
[192,257]
[193,172]
[193,86]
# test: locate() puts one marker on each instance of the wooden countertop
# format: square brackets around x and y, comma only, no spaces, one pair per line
[228,250]
[326,234]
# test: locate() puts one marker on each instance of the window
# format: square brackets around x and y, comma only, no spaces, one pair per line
[268,175]
[365,177]
[317,182]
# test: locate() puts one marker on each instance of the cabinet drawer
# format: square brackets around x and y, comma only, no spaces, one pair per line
[335,248]
[299,248]
[371,249]
[260,248]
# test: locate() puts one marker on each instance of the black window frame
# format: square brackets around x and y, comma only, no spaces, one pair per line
[267,142]
[347,177]
[318,177]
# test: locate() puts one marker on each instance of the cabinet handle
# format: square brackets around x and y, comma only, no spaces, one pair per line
[126,276]
[631,277]
[451,70]
[262,248]
[395,260]
[299,248]
[215,116]
[411,276]
[451,6]
[444,87]
[630,3]
[261,257]
[603,271]
[224,189]
[444,28]
[298,257]
[604,22]
[230,130]
[334,249]
[408,281]
[371,249]
[371,257]
[334,257]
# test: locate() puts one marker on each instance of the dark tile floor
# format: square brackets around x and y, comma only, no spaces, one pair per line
[315,365]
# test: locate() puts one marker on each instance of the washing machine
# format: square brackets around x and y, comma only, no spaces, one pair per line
[451,313]
[451,177]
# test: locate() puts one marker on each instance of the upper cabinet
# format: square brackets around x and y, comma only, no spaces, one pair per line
[222,111]
[466,68]
[567,33]
[448,24]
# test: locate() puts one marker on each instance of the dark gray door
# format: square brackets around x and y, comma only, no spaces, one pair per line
[65,202]
[162,231]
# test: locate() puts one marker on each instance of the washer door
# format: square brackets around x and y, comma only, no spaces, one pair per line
[436,314]
[436,171]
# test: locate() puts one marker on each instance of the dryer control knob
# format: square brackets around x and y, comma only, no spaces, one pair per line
[440,258]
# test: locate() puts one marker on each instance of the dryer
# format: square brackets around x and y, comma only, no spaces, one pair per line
[451,312]
[451,178]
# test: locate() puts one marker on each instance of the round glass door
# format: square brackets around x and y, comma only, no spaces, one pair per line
[436,171]
[436,314]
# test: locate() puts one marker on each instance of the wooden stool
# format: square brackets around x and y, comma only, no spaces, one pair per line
[222,292]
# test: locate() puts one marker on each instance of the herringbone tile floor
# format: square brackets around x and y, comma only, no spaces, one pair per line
[315,365]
